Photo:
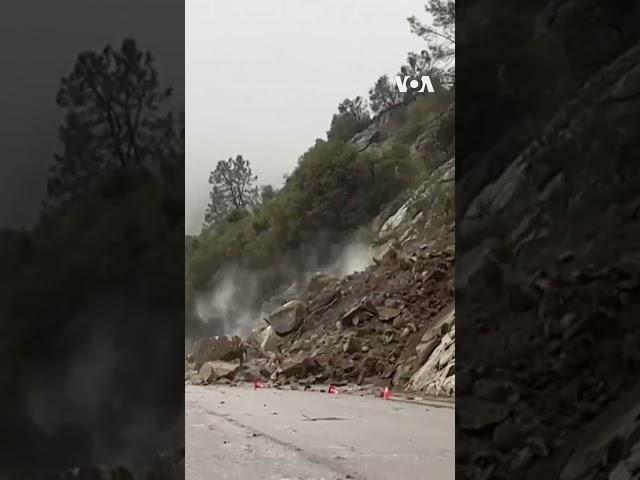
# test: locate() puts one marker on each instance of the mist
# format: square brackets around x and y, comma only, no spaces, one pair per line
[240,298]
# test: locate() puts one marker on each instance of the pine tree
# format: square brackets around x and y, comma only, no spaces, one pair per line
[234,191]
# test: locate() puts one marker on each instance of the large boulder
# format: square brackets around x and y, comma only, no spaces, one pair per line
[287,318]
[224,347]
[212,371]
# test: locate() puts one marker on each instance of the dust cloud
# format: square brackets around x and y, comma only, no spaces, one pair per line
[240,297]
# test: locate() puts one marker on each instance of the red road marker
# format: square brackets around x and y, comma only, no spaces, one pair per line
[332,389]
[257,385]
[386,394]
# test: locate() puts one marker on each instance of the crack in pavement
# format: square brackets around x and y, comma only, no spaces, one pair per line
[317,419]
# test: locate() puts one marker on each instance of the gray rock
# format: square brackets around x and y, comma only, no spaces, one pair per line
[287,318]
[387,314]
[269,340]
[212,371]
[222,347]
[424,350]
[435,377]
[194,378]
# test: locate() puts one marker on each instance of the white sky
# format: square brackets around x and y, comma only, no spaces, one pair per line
[264,77]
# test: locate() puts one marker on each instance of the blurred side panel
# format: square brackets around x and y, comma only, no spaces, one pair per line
[91,240]
[547,225]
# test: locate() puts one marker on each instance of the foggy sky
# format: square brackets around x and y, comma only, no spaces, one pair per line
[39,42]
[264,77]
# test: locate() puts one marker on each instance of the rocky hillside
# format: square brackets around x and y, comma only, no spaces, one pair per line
[549,266]
[392,324]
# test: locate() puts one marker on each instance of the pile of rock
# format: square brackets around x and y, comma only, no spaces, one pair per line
[215,358]
[390,325]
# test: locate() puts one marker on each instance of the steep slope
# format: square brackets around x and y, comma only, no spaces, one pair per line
[392,324]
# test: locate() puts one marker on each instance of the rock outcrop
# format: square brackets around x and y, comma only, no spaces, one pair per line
[380,128]
[429,211]
[436,353]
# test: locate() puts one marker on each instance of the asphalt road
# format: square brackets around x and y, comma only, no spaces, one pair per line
[244,434]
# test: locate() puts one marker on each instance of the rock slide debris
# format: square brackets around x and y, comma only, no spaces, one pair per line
[391,325]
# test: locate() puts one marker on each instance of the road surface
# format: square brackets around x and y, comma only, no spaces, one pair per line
[238,433]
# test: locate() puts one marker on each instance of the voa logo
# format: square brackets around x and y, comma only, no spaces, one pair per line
[404,83]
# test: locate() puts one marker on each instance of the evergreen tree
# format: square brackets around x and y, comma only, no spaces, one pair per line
[233,191]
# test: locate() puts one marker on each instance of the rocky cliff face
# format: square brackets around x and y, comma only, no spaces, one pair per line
[427,214]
